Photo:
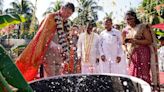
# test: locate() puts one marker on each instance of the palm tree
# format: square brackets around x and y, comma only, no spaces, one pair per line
[1,7]
[109,14]
[87,10]
[34,22]
[56,6]
[25,8]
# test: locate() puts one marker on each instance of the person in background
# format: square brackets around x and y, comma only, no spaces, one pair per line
[161,54]
[117,26]
[123,63]
[88,50]
[110,48]
[74,33]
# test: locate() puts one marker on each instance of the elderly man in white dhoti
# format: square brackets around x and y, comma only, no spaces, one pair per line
[88,50]
[111,50]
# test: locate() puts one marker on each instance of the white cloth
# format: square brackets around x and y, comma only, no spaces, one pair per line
[161,58]
[110,46]
[90,66]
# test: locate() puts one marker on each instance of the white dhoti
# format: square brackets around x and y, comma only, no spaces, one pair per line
[88,69]
[113,67]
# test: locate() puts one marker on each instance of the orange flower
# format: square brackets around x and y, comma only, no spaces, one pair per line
[158,7]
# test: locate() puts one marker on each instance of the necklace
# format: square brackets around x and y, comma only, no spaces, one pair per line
[87,46]
[63,33]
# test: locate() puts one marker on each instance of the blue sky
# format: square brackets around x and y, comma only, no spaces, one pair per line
[120,7]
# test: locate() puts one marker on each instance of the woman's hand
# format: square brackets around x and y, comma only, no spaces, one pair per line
[131,40]
[118,59]
[97,60]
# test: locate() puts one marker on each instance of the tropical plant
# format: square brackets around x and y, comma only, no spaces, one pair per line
[56,6]
[18,49]
[148,13]
[6,20]
[109,14]
[34,23]
[1,7]
[24,7]
[100,27]
[87,10]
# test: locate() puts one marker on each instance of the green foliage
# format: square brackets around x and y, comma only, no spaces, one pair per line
[18,49]
[158,32]
[148,13]
[27,9]
[56,6]
[27,35]
[161,33]
[1,6]
[87,10]
[6,20]
[100,26]
[109,14]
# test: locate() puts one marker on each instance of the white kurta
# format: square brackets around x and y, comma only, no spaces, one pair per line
[161,58]
[89,66]
[110,46]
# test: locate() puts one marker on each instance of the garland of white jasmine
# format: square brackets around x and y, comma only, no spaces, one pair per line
[63,37]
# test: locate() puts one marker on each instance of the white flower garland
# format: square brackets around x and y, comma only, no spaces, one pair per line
[63,36]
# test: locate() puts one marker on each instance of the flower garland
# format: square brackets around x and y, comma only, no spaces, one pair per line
[68,52]
[88,44]
[63,37]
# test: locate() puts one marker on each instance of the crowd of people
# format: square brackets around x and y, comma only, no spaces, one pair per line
[131,51]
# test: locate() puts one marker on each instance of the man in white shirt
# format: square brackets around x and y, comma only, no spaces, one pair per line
[110,49]
[161,55]
[88,50]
